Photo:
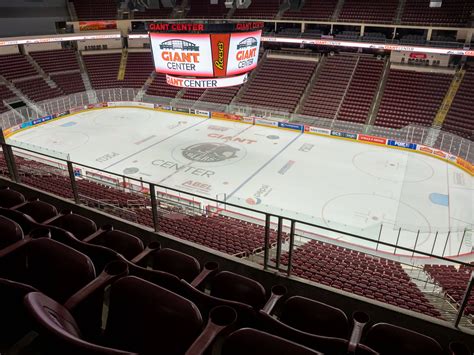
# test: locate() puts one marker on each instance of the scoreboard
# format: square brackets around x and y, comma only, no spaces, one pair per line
[204,51]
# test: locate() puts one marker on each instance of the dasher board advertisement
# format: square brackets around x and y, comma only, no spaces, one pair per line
[205,55]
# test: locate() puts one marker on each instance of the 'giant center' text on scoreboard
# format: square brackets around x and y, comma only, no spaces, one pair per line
[205,60]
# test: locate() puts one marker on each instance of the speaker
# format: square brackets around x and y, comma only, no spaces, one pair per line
[296,5]
[242,4]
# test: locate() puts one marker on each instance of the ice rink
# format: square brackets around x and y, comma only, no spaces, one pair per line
[325,181]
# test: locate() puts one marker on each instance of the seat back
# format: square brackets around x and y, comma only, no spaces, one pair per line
[56,269]
[314,317]
[14,322]
[40,211]
[235,287]
[177,263]
[80,226]
[10,198]
[10,232]
[60,329]
[124,243]
[144,317]
[389,339]
[250,341]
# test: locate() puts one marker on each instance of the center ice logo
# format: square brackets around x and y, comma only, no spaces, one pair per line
[210,152]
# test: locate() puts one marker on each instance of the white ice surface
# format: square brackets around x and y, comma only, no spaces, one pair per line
[330,182]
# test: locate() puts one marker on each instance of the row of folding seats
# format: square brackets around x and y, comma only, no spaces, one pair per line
[453,281]
[327,93]
[222,96]
[459,118]
[159,87]
[138,69]
[266,90]
[14,66]
[362,90]
[451,13]
[358,273]
[95,9]
[148,307]
[56,60]
[38,90]
[368,11]
[313,10]
[411,97]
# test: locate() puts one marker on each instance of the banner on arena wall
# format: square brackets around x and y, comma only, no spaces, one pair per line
[264,122]
[180,109]
[291,126]
[97,25]
[9,131]
[77,109]
[61,114]
[432,151]
[226,116]
[400,144]
[316,130]
[249,120]
[372,139]
[207,83]
[41,120]
[343,134]
[203,113]
[465,164]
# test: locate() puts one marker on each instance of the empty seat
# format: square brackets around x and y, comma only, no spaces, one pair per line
[389,339]
[56,323]
[10,198]
[147,318]
[182,265]
[53,268]
[10,232]
[80,226]
[314,317]
[40,211]
[14,322]
[124,243]
[255,342]
[238,288]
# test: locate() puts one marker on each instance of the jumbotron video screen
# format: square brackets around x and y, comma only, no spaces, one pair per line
[205,55]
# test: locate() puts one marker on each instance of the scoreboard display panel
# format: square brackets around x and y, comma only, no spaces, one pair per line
[198,50]
[205,55]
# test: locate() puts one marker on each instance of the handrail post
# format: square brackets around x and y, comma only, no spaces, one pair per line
[465,299]
[9,158]
[380,235]
[462,240]
[279,235]
[398,238]
[416,242]
[291,246]
[154,208]
[446,244]
[434,243]
[72,178]
[266,246]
